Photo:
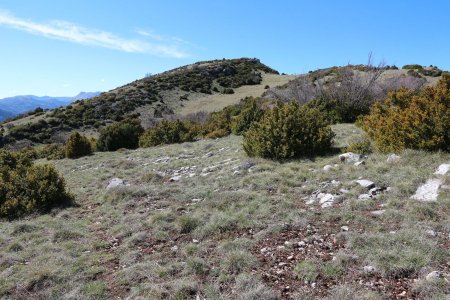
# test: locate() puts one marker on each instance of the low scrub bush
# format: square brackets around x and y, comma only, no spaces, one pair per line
[77,146]
[363,146]
[52,151]
[251,111]
[406,119]
[168,132]
[124,134]
[27,188]
[289,131]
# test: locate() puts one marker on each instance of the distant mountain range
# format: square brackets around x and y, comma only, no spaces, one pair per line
[13,106]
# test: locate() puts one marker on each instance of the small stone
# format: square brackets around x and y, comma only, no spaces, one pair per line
[402,294]
[393,158]
[288,244]
[282,264]
[377,212]
[344,228]
[175,178]
[442,169]
[264,250]
[310,201]
[196,200]
[246,165]
[115,182]
[349,157]
[301,244]
[281,248]
[364,197]
[369,269]
[432,276]
[365,183]
[327,168]
[195,241]
[430,232]
[174,248]
[291,257]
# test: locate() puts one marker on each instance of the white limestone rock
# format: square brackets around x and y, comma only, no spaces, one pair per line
[442,169]
[428,191]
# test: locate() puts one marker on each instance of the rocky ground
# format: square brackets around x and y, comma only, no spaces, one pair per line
[203,221]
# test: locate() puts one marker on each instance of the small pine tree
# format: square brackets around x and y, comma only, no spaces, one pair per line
[167,132]
[77,146]
[289,131]
[27,188]
[251,111]
[123,134]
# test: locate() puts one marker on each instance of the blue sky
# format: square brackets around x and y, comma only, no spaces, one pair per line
[60,48]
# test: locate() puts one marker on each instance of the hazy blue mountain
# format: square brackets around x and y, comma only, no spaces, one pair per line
[5,114]
[13,106]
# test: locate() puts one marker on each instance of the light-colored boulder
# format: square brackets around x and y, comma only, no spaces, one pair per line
[428,191]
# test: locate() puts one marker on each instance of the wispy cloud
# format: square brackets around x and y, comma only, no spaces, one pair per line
[66,31]
[173,40]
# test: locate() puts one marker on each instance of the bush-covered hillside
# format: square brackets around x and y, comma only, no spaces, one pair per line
[218,76]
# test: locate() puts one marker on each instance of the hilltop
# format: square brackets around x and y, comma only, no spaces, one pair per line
[208,86]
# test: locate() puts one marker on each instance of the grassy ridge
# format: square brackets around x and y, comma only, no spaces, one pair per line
[150,92]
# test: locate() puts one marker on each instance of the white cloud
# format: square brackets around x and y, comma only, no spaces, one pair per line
[66,31]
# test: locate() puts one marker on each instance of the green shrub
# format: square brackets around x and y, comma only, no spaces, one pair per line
[77,146]
[333,111]
[228,91]
[289,131]
[26,188]
[168,132]
[363,146]
[52,151]
[412,120]
[412,67]
[251,112]
[124,134]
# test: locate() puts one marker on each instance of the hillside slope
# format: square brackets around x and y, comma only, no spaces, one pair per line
[152,97]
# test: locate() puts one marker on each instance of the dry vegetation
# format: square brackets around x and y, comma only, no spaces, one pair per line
[203,221]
